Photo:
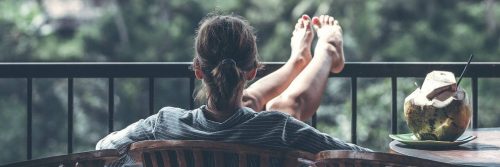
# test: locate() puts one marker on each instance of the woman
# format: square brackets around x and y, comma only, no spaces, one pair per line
[226,58]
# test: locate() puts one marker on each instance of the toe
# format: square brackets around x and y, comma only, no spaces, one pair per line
[337,24]
[307,24]
[307,21]
[297,26]
[305,17]
[322,19]
[330,20]
[316,23]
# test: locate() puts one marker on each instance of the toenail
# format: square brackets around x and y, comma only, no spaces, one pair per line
[315,21]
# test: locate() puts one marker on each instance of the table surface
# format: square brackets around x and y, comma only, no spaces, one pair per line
[482,151]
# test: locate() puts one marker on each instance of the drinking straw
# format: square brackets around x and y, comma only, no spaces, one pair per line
[465,69]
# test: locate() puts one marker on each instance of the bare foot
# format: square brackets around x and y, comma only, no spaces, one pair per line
[301,40]
[330,34]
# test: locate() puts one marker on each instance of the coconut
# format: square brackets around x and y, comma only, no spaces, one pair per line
[439,110]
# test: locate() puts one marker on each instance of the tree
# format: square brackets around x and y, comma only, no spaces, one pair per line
[163,30]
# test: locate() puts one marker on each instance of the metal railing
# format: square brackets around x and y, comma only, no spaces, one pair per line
[352,70]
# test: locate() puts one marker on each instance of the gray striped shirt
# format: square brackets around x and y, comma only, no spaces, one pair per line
[267,129]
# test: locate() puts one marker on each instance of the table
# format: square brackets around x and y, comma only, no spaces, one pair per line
[482,151]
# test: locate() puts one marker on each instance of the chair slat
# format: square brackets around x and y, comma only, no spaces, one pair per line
[154,160]
[242,159]
[181,158]
[198,158]
[358,163]
[219,158]
[165,158]
[264,160]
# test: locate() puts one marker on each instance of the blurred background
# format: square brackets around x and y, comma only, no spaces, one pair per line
[163,31]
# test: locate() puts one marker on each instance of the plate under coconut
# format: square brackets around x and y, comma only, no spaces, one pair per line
[411,140]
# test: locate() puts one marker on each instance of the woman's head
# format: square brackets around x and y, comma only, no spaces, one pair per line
[226,57]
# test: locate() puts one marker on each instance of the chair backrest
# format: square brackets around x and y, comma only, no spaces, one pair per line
[187,153]
[332,158]
[97,158]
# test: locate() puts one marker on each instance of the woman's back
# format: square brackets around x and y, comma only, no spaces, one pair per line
[266,129]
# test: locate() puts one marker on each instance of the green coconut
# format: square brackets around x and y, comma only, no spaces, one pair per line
[439,110]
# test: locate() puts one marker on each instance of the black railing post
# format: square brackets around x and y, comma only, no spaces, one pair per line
[29,117]
[394,119]
[111,103]
[191,92]
[70,115]
[474,103]
[354,105]
[151,96]
[314,120]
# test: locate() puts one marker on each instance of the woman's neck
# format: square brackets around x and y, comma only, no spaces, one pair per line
[220,115]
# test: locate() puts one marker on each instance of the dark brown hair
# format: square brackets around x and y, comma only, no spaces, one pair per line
[225,49]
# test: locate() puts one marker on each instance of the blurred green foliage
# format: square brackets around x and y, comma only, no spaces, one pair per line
[163,30]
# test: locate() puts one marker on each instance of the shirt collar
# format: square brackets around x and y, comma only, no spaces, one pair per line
[238,117]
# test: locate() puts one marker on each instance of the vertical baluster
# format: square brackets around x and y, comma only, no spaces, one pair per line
[70,115]
[111,103]
[354,105]
[314,120]
[394,119]
[29,120]
[474,103]
[151,95]
[191,92]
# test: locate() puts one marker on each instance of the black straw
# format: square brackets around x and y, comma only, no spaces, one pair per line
[465,69]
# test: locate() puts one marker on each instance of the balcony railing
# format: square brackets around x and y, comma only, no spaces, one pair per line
[152,71]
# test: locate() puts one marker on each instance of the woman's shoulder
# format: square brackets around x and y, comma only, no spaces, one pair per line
[173,111]
[273,114]
[174,114]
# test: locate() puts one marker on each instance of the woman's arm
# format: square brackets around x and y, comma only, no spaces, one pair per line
[121,140]
[301,136]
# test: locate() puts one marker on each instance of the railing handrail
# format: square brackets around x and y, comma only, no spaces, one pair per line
[153,70]
[182,69]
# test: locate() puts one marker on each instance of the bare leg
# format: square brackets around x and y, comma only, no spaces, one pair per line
[302,98]
[270,86]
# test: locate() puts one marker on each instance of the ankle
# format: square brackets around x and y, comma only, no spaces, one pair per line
[333,53]
[327,49]
[299,61]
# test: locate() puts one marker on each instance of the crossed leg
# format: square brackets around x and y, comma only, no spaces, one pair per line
[296,88]
[302,97]
[263,90]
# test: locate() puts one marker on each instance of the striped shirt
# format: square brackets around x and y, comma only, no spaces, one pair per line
[267,129]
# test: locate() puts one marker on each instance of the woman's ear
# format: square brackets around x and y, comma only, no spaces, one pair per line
[197,69]
[198,73]
[251,74]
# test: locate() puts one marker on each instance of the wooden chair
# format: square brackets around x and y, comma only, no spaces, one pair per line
[183,153]
[97,158]
[341,158]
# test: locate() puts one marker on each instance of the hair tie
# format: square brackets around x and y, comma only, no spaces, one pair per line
[228,62]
